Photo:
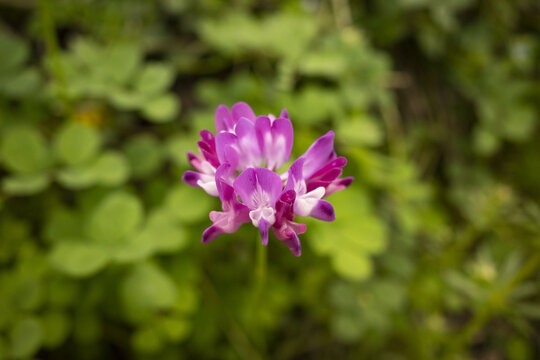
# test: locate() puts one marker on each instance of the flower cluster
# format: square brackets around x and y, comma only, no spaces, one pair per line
[239,165]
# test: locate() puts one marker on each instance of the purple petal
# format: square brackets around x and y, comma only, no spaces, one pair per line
[242,110]
[288,233]
[226,191]
[245,186]
[285,207]
[264,226]
[223,119]
[263,129]
[323,211]
[275,139]
[338,163]
[296,178]
[338,185]
[258,187]
[227,148]
[293,243]
[250,152]
[211,233]
[282,137]
[203,181]
[284,114]
[319,153]
[270,183]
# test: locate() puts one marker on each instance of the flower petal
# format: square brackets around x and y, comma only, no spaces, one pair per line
[204,181]
[338,185]
[223,119]
[258,187]
[304,204]
[227,148]
[323,210]
[319,153]
[242,110]
[250,151]
[264,226]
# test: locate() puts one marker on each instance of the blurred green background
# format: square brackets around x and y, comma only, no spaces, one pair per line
[435,250]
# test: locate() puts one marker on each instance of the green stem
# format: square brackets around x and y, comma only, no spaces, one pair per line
[258,290]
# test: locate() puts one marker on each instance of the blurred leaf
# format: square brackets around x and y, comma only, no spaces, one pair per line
[148,287]
[154,78]
[360,130]
[144,154]
[76,143]
[147,340]
[161,109]
[115,217]
[111,168]
[188,204]
[56,327]
[25,184]
[78,258]
[18,52]
[24,150]
[26,336]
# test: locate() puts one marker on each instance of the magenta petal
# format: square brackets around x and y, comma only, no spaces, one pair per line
[319,154]
[191,178]
[245,185]
[275,139]
[295,175]
[242,110]
[223,119]
[226,191]
[211,233]
[250,151]
[323,211]
[338,185]
[263,129]
[284,114]
[338,163]
[285,207]
[258,187]
[293,243]
[282,135]
[264,226]
[227,148]
[270,183]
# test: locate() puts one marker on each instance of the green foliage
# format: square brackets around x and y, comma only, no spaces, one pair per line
[434,251]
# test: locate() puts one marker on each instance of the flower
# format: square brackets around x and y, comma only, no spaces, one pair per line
[239,166]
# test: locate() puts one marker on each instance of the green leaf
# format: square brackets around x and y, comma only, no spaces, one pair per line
[17,49]
[147,340]
[178,146]
[56,327]
[161,109]
[25,184]
[76,143]
[148,287]
[188,204]
[21,83]
[24,150]
[154,78]
[111,168]
[115,217]
[121,61]
[78,177]
[354,266]
[26,336]
[77,258]
[144,154]
[360,130]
